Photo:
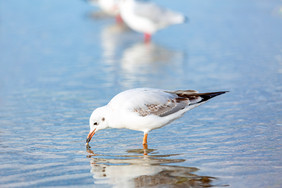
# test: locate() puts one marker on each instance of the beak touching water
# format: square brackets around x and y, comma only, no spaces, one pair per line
[90,135]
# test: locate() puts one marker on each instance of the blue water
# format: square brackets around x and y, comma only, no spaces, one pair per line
[59,61]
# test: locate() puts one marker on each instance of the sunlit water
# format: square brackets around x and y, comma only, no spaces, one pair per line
[59,61]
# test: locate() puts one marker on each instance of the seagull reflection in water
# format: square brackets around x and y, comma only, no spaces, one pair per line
[149,55]
[135,170]
[133,61]
[142,62]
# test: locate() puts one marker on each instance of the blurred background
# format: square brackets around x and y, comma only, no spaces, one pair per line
[59,60]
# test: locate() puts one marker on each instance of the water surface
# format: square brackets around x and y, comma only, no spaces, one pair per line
[59,62]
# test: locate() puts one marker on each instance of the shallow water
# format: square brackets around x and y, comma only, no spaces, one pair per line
[59,61]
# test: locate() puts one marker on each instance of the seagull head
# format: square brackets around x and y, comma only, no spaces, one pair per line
[97,121]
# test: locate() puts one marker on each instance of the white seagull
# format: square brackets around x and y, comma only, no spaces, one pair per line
[145,109]
[147,17]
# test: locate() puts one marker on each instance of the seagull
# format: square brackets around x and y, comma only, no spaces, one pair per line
[147,17]
[145,109]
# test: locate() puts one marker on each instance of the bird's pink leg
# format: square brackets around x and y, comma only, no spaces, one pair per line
[147,37]
[119,19]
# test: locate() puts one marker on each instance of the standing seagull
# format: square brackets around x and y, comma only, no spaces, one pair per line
[145,109]
[147,17]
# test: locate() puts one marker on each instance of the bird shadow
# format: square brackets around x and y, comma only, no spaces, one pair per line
[135,169]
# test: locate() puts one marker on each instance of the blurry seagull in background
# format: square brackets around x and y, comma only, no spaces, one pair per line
[147,17]
[145,109]
[110,7]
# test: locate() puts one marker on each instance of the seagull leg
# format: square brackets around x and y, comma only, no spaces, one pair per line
[145,138]
[145,145]
[119,19]
[147,37]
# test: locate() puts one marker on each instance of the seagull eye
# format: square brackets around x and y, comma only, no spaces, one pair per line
[95,123]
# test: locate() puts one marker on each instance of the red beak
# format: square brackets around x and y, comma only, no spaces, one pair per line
[90,135]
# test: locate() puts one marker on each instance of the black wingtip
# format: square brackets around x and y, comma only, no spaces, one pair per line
[207,96]
[214,94]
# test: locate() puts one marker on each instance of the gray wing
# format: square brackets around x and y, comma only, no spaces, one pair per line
[178,100]
[172,106]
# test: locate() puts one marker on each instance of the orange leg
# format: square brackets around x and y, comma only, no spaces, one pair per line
[145,138]
[145,145]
